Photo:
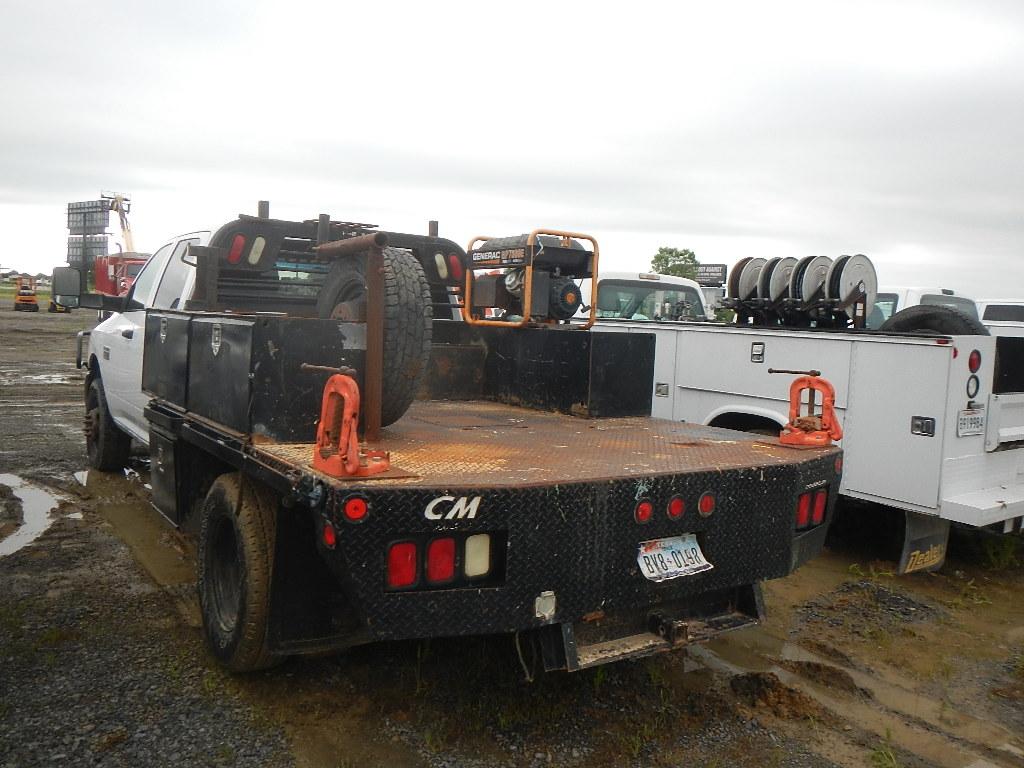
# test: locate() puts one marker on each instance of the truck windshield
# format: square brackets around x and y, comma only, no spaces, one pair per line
[643,300]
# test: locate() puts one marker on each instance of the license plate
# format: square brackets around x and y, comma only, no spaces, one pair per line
[970,422]
[664,559]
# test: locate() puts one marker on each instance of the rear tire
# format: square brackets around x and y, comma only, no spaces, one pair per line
[236,557]
[107,446]
[929,318]
[407,320]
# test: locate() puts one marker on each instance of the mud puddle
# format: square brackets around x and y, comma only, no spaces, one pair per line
[878,664]
[37,507]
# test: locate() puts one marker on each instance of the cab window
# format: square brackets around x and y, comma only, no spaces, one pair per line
[642,300]
[168,295]
[143,285]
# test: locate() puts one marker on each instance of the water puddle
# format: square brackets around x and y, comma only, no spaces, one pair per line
[887,707]
[36,505]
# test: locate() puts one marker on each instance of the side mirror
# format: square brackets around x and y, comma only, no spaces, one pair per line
[67,282]
[103,302]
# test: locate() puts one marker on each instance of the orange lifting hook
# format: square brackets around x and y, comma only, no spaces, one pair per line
[337,452]
[811,429]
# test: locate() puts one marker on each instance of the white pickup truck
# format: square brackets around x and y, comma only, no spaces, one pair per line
[932,422]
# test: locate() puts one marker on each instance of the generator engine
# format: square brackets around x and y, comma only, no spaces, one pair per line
[528,279]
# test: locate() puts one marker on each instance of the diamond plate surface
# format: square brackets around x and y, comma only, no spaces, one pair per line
[473,444]
[561,491]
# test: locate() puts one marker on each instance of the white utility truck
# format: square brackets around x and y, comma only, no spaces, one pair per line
[931,406]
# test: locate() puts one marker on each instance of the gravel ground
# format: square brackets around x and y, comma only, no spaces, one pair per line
[101,662]
[97,668]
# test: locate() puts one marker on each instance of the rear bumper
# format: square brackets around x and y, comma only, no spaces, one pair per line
[579,544]
[985,506]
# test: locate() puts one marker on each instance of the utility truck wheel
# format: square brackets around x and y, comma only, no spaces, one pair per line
[407,320]
[236,558]
[935,319]
[107,446]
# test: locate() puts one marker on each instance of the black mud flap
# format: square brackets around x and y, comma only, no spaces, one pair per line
[924,543]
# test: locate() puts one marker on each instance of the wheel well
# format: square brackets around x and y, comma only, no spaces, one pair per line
[746,422]
[93,371]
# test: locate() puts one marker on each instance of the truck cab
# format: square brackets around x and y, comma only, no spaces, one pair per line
[891,300]
[646,296]
[115,345]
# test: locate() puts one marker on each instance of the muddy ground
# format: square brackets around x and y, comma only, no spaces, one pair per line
[102,662]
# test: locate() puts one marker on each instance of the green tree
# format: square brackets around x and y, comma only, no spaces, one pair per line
[681,262]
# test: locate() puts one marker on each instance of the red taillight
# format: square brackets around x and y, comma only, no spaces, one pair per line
[643,511]
[329,535]
[818,513]
[355,509]
[441,560]
[676,507]
[706,504]
[803,511]
[455,268]
[402,564]
[235,254]
[839,465]
[974,361]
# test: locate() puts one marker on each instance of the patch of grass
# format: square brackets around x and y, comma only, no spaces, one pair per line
[883,756]
[1001,552]
[971,594]
[225,755]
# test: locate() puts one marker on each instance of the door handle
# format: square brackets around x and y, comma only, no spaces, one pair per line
[128,332]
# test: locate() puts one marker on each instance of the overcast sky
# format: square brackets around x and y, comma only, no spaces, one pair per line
[894,129]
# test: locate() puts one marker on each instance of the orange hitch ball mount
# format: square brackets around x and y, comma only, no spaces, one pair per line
[810,429]
[337,451]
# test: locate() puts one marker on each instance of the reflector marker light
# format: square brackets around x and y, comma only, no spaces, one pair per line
[355,509]
[441,264]
[974,361]
[676,507]
[235,254]
[643,511]
[402,565]
[706,504]
[803,510]
[818,513]
[456,267]
[329,536]
[477,561]
[441,560]
[257,250]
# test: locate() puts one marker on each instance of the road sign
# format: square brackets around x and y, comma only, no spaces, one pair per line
[711,275]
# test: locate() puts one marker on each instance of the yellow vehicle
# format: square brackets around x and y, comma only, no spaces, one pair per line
[25,295]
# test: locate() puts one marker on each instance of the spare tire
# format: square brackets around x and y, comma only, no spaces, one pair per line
[407,320]
[935,318]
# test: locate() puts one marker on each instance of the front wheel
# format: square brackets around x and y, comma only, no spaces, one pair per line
[236,557]
[107,446]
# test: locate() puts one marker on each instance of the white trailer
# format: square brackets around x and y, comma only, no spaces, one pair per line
[932,423]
